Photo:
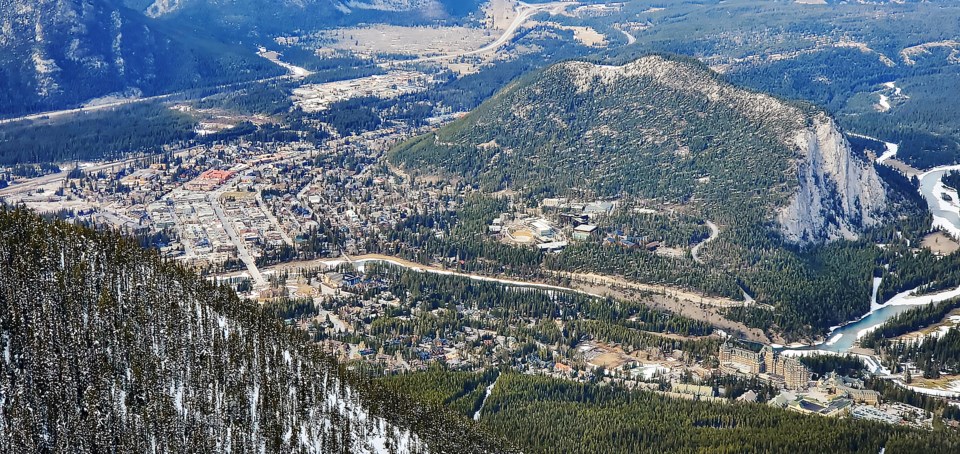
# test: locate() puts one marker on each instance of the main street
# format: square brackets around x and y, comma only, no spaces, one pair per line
[242,252]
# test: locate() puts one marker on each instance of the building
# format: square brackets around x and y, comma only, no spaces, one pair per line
[865,396]
[748,396]
[872,414]
[778,369]
[693,390]
[790,370]
[735,359]
[542,228]
[209,180]
[584,232]
[140,178]
[553,246]
[849,387]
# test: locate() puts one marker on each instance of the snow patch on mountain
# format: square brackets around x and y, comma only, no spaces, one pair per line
[162,7]
[396,5]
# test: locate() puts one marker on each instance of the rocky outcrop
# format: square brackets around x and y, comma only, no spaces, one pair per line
[664,128]
[838,194]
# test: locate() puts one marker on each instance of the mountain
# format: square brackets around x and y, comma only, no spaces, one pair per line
[291,14]
[107,347]
[666,129]
[56,53]
[62,53]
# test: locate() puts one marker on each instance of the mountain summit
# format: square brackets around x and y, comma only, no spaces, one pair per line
[666,129]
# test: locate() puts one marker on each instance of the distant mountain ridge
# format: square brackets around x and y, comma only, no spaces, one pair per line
[108,348]
[61,53]
[56,53]
[667,129]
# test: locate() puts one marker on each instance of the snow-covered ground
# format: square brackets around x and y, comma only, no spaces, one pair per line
[908,298]
[893,86]
[476,416]
[648,371]
[872,363]
[295,71]
[893,90]
[891,151]
[952,391]
[884,103]
[874,305]
[834,339]
[933,190]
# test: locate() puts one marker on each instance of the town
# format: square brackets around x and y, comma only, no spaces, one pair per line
[297,226]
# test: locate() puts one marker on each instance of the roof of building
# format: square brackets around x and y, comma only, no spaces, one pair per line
[553,245]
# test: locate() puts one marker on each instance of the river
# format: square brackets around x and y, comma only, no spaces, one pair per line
[946,215]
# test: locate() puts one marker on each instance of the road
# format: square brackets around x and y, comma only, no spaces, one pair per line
[681,301]
[273,219]
[295,72]
[178,226]
[524,12]
[242,252]
[62,175]
[714,232]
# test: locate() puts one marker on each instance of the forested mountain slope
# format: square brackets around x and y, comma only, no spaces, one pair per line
[56,53]
[663,128]
[108,348]
[287,15]
[61,53]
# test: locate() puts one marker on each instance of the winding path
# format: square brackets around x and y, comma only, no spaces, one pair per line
[476,416]
[714,232]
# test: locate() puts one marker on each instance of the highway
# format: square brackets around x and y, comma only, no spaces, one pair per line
[524,12]
[295,72]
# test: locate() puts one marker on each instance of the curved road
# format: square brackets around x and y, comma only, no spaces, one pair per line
[524,12]
[714,232]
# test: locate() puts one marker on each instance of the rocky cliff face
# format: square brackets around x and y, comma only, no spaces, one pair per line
[838,194]
[663,128]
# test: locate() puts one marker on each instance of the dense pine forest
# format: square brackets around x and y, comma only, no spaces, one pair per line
[440,305]
[110,134]
[109,348]
[810,287]
[549,415]
[933,356]
[910,321]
